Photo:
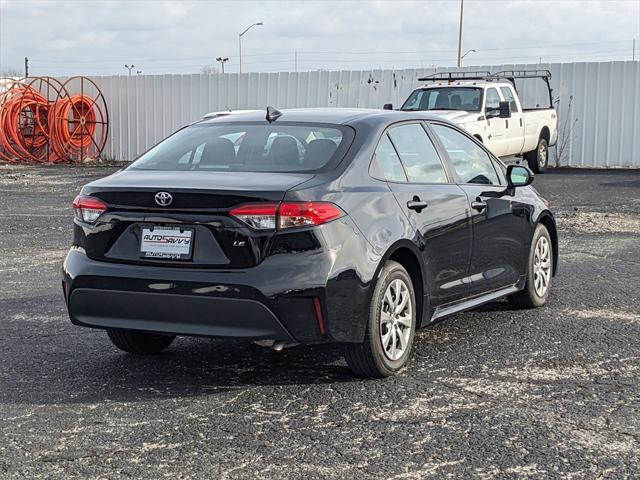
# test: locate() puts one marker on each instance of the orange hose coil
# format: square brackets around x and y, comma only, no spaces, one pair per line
[34,129]
[72,125]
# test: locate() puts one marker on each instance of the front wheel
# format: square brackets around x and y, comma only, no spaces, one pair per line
[139,343]
[539,272]
[538,159]
[391,326]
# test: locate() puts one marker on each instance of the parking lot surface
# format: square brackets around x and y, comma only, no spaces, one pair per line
[495,392]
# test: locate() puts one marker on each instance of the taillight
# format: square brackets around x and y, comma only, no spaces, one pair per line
[88,209]
[269,216]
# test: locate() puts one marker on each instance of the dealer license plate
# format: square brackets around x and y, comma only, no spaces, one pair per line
[173,243]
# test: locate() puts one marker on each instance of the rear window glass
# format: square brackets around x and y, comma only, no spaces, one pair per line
[248,147]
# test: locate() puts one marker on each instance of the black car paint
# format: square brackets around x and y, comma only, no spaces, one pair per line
[453,252]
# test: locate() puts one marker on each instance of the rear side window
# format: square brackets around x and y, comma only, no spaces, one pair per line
[244,147]
[470,162]
[389,162]
[417,153]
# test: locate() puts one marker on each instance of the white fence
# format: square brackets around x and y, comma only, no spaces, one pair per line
[598,103]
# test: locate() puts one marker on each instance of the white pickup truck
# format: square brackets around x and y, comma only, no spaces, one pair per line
[487,106]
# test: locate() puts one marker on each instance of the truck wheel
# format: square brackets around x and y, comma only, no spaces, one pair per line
[539,272]
[391,326]
[538,159]
[139,343]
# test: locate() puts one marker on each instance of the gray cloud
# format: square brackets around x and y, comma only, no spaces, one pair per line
[98,37]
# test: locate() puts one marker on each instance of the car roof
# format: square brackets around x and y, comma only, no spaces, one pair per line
[341,116]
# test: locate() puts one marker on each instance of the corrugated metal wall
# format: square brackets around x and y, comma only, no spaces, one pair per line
[598,103]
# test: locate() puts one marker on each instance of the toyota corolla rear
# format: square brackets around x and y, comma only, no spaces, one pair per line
[203,236]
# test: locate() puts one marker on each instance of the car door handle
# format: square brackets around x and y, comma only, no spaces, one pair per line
[478,205]
[417,204]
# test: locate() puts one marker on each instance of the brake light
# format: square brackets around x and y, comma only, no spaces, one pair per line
[270,216]
[88,209]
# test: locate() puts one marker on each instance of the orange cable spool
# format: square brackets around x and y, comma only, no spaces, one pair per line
[34,128]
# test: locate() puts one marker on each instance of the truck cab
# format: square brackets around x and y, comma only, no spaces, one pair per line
[488,106]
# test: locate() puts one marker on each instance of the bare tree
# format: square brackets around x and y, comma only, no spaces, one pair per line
[209,70]
[10,72]
[566,131]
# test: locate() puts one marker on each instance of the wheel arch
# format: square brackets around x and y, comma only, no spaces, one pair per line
[545,133]
[548,221]
[406,254]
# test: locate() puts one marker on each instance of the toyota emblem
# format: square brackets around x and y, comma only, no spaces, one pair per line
[164,199]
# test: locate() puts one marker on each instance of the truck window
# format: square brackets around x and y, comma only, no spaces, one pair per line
[493,99]
[445,98]
[508,96]
[470,162]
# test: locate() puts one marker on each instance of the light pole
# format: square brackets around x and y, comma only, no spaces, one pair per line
[129,67]
[460,34]
[473,50]
[222,61]
[240,40]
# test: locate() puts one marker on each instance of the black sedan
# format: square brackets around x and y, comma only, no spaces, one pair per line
[307,226]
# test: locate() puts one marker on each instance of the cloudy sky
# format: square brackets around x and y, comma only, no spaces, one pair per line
[98,37]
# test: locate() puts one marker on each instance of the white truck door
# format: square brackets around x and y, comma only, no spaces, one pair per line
[515,124]
[496,139]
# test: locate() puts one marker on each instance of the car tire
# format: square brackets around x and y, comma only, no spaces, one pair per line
[389,334]
[139,343]
[538,159]
[539,272]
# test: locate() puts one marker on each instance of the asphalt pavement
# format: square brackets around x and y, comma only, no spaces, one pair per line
[492,393]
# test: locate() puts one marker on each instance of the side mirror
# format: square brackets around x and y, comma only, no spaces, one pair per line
[505,110]
[519,176]
[387,106]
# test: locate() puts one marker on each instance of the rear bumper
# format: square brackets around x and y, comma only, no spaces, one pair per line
[177,314]
[273,300]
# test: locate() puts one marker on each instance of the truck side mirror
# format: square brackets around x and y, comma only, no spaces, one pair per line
[387,106]
[505,110]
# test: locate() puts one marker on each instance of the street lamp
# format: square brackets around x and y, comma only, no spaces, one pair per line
[467,53]
[240,40]
[129,67]
[222,61]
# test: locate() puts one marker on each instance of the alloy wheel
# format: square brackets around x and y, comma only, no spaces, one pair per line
[396,319]
[541,266]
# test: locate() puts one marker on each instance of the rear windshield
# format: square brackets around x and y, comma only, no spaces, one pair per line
[468,99]
[247,147]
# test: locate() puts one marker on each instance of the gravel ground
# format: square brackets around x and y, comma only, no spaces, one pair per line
[490,393]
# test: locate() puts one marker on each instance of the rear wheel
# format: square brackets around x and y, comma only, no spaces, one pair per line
[391,326]
[538,159]
[139,343]
[539,272]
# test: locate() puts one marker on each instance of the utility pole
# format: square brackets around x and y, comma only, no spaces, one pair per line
[460,34]
[295,60]
[222,61]
[129,67]
[26,66]
[240,41]
[634,50]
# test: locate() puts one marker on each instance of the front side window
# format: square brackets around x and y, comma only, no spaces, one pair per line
[493,99]
[508,96]
[417,153]
[470,162]
[244,147]
[467,99]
